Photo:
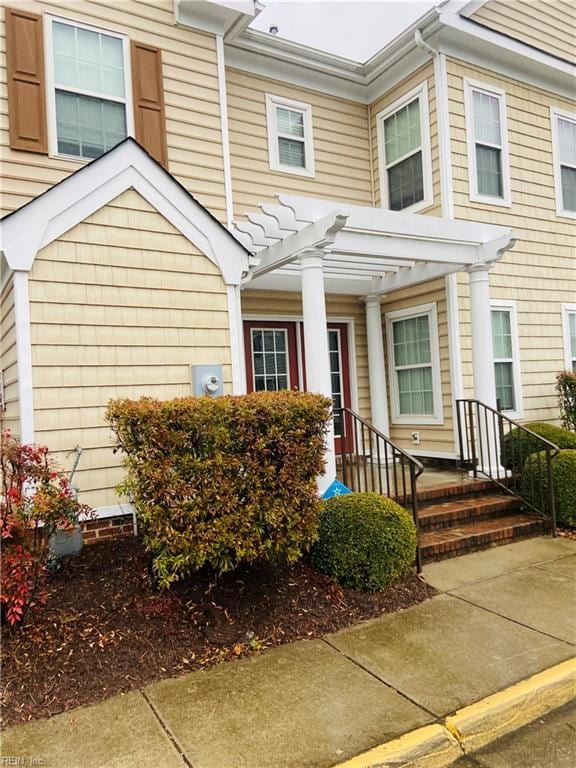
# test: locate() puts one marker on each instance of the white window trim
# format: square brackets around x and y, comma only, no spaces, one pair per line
[510,306]
[272,103]
[48,20]
[420,93]
[556,113]
[567,309]
[469,87]
[405,314]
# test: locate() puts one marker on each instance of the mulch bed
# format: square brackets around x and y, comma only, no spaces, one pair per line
[103,630]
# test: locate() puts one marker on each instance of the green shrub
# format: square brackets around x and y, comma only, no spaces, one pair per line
[518,445]
[566,388]
[563,481]
[222,481]
[365,541]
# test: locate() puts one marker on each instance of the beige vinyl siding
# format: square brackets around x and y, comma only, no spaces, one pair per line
[425,73]
[549,25]
[341,145]
[120,306]
[539,273]
[11,415]
[269,304]
[190,73]
[437,438]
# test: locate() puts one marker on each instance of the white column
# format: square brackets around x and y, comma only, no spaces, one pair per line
[24,356]
[481,320]
[236,340]
[483,366]
[376,365]
[316,347]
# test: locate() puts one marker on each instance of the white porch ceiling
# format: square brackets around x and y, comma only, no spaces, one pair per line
[365,250]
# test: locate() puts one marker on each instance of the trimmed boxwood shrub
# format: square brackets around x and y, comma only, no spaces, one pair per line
[563,480]
[222,481]
[365,541]
[518,445]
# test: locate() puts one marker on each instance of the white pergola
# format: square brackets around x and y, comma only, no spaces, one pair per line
[317,246]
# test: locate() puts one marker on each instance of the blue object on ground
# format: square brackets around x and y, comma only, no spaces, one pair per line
[336,488]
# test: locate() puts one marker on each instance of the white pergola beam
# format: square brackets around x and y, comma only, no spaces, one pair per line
[420,274]
[317,235]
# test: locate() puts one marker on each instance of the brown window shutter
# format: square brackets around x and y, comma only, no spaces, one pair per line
[149,120]
[26,81]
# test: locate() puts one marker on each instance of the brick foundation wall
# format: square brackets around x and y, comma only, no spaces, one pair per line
[107,528]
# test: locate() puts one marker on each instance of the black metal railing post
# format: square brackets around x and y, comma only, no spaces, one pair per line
[509,472]
[382,461]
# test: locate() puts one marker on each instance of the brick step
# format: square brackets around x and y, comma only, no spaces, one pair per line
[460,539]
[444,514]
[462,490]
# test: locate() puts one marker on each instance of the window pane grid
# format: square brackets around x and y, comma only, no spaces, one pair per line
[503,351]
[336,378]
[90,94]
[270,360]
[413,365]
[403,156]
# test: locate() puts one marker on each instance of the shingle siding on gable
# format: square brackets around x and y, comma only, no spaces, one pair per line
[120,306]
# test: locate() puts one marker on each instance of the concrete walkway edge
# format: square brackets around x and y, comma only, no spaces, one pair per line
[467,730]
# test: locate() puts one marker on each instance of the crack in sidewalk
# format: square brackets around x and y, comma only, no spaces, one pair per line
[167,731]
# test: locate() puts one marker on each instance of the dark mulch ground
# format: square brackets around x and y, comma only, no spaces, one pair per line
[103,630]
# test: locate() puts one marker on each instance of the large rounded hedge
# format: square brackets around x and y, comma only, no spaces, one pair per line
[517,445]
[366,541]
[563,480]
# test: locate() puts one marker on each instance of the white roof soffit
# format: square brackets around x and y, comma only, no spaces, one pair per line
[45,218]
[447,27]
[216,16]
[365,250]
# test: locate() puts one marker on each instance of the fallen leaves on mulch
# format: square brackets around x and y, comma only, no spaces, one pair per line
[104,630]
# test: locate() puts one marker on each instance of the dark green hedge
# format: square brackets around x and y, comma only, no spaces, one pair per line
[563,480]
[518,445]
[365,541]
[222,481]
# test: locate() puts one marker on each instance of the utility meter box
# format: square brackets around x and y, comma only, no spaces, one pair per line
[207,380]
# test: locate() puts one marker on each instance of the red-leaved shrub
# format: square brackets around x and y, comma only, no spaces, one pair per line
[36,500]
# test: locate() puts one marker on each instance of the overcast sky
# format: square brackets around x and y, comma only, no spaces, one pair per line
[355,30]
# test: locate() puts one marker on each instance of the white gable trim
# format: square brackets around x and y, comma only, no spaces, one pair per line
[47,217]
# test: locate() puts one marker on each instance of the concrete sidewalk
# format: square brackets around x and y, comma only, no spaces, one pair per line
[502,616]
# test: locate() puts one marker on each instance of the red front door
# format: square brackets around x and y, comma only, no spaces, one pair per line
[275,360]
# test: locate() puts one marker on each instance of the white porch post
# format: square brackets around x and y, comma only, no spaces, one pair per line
[376,365]
[316,346]
[483,360]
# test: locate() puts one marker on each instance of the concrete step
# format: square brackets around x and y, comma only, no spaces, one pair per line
[481,534]
[447,513]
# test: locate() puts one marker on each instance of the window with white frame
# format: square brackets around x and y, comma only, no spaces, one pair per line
[506,357]
[404,138]
[414,364]
[290,141]
[569,323]
[270,359]
[88,89]
[564,151]
[487,143]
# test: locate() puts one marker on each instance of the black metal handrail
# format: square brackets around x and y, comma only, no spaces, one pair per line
[485,447]
[371,462]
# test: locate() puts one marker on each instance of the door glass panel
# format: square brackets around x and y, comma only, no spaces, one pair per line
[336,378]
[269,359]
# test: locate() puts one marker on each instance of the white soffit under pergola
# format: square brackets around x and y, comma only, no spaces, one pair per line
[366,251]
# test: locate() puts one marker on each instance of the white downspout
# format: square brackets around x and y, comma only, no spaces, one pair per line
[224,129]
[447,205]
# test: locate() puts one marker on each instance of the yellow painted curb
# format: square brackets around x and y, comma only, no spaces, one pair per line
[431,746]
[441,744]
[508,710]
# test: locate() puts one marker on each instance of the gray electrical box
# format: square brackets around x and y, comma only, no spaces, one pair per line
[207,380]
